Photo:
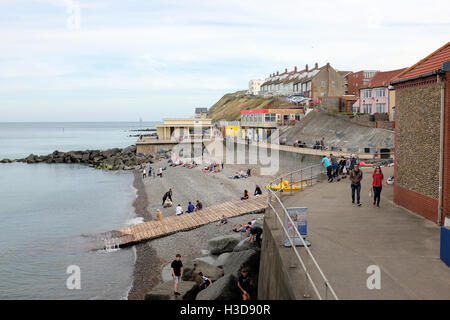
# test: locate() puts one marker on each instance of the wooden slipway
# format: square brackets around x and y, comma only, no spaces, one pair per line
[187,221]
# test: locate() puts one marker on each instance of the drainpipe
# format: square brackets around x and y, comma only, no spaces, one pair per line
[441,150]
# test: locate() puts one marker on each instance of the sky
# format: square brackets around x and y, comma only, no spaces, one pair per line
[115,60]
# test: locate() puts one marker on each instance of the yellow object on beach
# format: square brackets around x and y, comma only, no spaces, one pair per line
[285,186]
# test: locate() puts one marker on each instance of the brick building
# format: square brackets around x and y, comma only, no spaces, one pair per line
[357,80]
[377,95]
[422,95]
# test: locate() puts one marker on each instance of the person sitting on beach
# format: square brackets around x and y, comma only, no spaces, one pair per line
[179,210]
[159,215]
[222,221]
[190,208]
[246,195]
[160,174]
[257,191]
[198,206]
[168,204]
[243,228]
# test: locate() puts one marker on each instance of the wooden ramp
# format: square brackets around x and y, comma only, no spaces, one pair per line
[157,229]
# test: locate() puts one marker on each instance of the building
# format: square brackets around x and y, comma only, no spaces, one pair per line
[254,86]
[320,82]
[184,129]
[201,113]
[259,122]
[313,83]
[357,80]
[374,97]
[422,136]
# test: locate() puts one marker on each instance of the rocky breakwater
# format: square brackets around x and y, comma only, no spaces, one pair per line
[227,256]
[111,159]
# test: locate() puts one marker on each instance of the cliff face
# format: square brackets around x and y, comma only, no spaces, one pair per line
[229,107]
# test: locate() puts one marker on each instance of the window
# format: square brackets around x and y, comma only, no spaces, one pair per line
[322,84]
[308,86]
[380,92]
[381,107]
[367,93]
[367,108]
[333,83]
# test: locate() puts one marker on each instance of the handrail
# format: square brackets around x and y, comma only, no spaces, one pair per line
[308,251]
[290,174]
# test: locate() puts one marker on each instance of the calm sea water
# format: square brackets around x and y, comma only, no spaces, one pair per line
[49,211]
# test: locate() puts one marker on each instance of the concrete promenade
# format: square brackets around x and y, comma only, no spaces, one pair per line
[347,239]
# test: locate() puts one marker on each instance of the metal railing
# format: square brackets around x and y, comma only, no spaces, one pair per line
[299,178]
[304,262]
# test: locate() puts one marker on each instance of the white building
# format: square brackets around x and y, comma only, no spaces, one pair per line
[254,86]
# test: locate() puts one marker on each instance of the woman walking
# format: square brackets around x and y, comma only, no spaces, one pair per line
[377,184]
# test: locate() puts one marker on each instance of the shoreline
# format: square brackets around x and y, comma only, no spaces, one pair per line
[146,256]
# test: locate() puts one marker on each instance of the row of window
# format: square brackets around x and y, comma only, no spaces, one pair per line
[268,117]
[379,93]
[379,108]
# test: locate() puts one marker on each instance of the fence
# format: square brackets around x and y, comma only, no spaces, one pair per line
[314,276]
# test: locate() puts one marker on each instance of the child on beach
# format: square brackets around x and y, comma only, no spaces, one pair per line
[205,281]
[159,215]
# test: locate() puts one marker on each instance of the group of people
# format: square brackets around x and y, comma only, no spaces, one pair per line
[190,208]
[147,171]
[257,192]
[241,174]
[245,283]
[351,168]
[214,166]
[299,144]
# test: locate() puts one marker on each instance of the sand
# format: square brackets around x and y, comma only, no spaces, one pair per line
[187,185]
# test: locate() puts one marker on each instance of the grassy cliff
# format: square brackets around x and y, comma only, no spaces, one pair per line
[229,107]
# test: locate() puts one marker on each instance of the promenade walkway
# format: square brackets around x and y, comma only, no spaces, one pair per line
[157,229]
[347,239]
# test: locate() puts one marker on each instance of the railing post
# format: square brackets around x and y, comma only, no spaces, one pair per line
[306,294]
[290,183]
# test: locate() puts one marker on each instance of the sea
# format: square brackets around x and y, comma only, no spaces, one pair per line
[50,212]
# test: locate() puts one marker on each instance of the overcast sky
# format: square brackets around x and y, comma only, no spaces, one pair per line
[115,60]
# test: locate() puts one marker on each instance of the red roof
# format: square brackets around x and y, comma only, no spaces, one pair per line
[382,79]
[429,64]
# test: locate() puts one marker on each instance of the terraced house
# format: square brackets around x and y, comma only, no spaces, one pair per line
[312,83]
[422,136]
[376,96]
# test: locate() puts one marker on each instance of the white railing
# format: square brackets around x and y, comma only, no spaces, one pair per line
[304,264]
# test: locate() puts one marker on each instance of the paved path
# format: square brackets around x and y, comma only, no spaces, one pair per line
[347,239]
[157,229]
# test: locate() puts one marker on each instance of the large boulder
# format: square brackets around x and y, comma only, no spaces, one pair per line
[221,259]
[191,270]
[223,289]
[244,244]
[164,291]
[223,244]
[237,260]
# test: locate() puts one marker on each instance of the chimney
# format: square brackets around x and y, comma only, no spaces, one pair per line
[278,73]
[295,69]
[316,66]
[285,70]
[328,64]
[306,67]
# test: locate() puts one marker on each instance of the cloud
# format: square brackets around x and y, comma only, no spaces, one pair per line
[213,46]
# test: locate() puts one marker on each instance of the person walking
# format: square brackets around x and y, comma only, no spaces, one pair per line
[355,178]
[377,184]
[176,268]
[327,164]
[144,172]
